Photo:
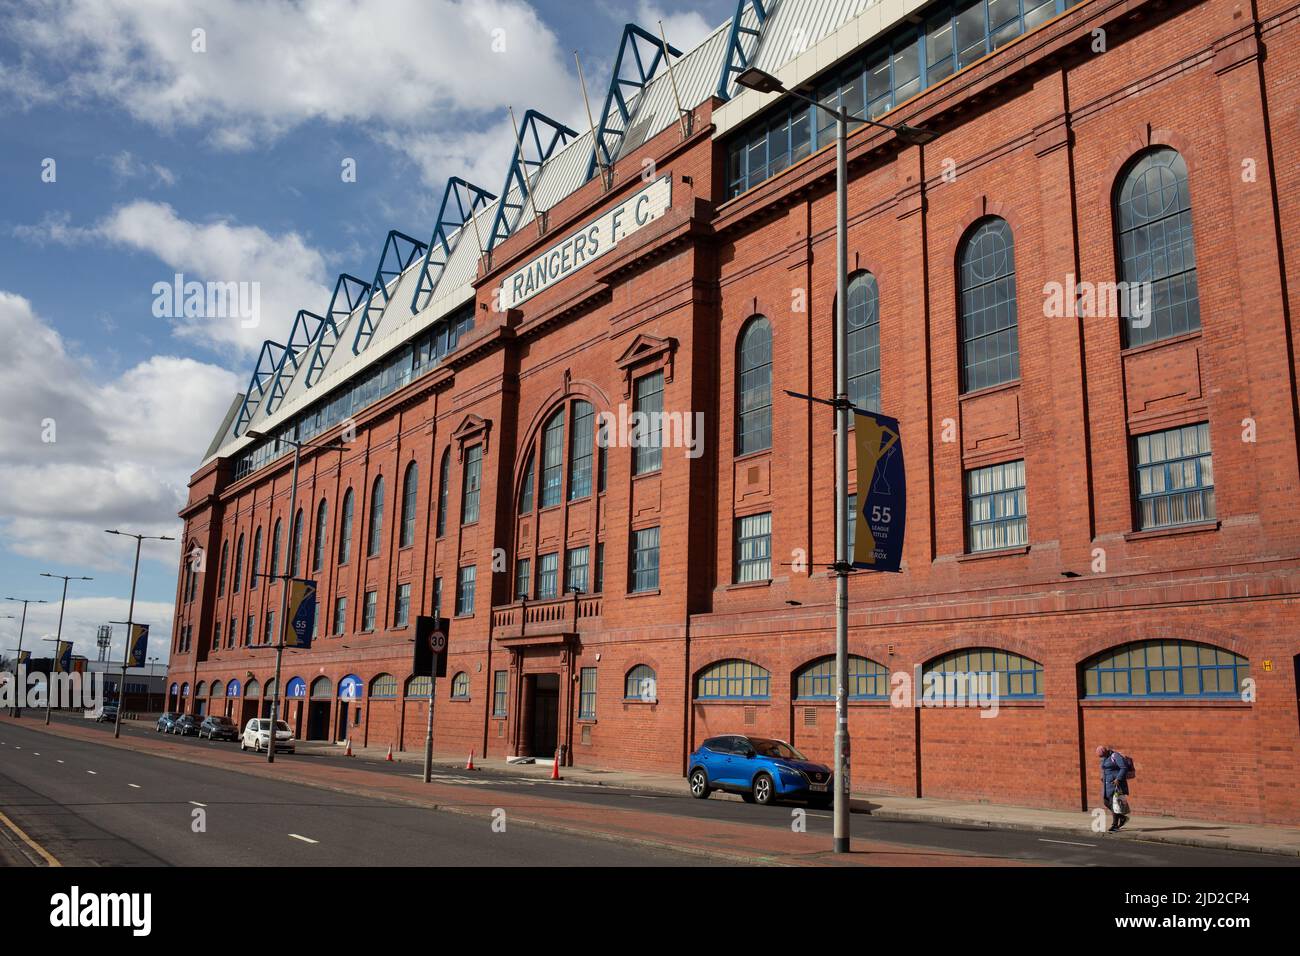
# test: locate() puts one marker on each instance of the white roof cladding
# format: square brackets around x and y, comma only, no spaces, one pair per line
[825,30]
[803,37]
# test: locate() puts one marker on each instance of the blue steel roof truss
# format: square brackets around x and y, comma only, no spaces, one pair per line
[468,198]
[306,327]
[609,141]
[400,250]
[268,361]
[353,291]
[539,137]
[736,60]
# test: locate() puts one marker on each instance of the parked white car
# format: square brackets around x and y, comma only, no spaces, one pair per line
[257,735]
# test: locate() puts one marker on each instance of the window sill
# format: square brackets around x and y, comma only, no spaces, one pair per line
[1188,701]
[586,720]
[999,553]
[640,700]
[641,594]
[460,700]
[746,585]
[990,389]
[1172,530]
[746,456]
[1158,343]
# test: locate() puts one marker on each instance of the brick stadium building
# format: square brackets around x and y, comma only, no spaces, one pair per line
[1103,510]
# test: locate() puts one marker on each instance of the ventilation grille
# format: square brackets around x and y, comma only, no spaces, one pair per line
[810,716]
[586,734]
[751,716]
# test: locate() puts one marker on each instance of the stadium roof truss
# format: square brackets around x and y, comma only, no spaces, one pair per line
[539,137]
[268,363]
[353,292]
[609,139]
[468,199]
[400,250]
[736,60]
[306,326]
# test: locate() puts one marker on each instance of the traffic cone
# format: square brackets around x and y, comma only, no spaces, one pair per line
[348,752]
[555,767]
[469,764]
[389,758]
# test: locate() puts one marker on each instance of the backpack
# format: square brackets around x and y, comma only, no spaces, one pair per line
[1130,771]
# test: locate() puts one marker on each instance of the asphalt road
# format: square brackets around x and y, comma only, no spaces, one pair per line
[88,805]
[277,811]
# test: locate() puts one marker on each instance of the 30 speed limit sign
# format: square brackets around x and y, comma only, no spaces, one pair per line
[437,641]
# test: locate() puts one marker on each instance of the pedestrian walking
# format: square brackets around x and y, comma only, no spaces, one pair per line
[1116,770]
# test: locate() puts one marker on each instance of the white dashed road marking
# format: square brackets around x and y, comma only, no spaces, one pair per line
[92,772]
[197,804]
[1065,842]
[303,838]
[134,786]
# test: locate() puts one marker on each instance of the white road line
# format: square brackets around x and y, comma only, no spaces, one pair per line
[303,838]
[92,772]
[59,761]
[134,786]
[35,754]
[1064,842]
[197,804]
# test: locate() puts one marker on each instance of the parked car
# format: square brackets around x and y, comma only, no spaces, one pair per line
[218,728]
[187,724]
[257,733]
[166,721]
[760,769]
[107,712]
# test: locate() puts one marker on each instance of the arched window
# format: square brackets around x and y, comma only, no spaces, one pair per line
[982,673]
[733,680]
[221,574]
[295,544]
[383,686]
[986,277]
[641,684]
[471,485]
[460,686]
[582,449]
[754,387]
[1157,260]
[376,516]
[553,459]
[868,680]
[275,549]
[526,495]
[444,480]
[1165,669]
[202,689]
[322,519]
[345,529]
[239,566]
[218,689]
[257,560]
[252,690]
[863,315]
[272,689]
[418,686]
[408,505]
[322,689]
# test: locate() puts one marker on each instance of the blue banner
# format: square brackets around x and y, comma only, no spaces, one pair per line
[881,515]
[63,659]
[139,645]
[302,614]
[297,688]
[350,688]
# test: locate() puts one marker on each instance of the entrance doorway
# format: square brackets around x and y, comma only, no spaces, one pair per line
[342,733]
[318,720]
[544,715]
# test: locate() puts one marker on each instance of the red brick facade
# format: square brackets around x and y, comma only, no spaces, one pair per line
[1037,134]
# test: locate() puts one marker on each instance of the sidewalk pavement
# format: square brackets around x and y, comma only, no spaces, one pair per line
[1279,840]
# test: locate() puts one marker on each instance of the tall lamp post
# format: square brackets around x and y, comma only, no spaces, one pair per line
[58,640]
[130,617]
[298,446]
[18,662]
[761,82]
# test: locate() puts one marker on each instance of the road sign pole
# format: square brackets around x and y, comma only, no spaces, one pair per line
[428,733]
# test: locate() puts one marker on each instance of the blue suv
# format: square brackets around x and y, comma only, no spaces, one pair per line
[760,769]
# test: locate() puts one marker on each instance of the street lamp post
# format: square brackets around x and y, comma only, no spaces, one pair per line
[759,81]
[130,618]
[58,640]
[18,662]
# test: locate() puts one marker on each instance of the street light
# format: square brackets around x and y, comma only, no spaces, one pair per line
[49,681]
[130,617]
[298,446]
[18,662]
[762,82]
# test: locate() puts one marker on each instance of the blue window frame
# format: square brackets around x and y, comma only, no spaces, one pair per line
[997,507]
[733,680]
[553,460]
[868,680]
[1017,677]
[754,387]
[460,686]
[384,686]
[889,71]
[587,694]
[1175,477]
[582,449]
[641,684]
[1165,669]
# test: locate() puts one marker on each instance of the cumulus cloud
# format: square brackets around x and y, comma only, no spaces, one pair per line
[685,30]
[81,619]
[121,451]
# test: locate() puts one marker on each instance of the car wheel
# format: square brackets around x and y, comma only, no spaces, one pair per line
[764,792]
[699,784]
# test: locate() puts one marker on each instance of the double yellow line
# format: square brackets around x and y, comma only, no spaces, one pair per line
[39,850]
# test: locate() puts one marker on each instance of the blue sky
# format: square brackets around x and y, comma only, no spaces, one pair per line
[219,156]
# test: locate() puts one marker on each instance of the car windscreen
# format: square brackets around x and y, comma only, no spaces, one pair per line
[775,748]
[281,726]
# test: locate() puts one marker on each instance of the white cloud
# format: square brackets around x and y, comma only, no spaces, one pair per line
[81,619]
[127,166]
[685,30]
[123,449]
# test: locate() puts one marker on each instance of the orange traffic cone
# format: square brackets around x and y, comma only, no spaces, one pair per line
[555,767]
[348,751]
[469,764]
[389,758]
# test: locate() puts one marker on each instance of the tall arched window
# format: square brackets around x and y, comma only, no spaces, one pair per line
[275,549]
[733,679]
[863,314]
[295,544]
[408,505]
[582,449]
[1165,669]
[257,560]
[221,575]
[345,528]
[239,566]
[376,516]
[754,387]
[986,278]
[444,481]
[526,495]
[553,459]
[1157,261]
[322,519]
